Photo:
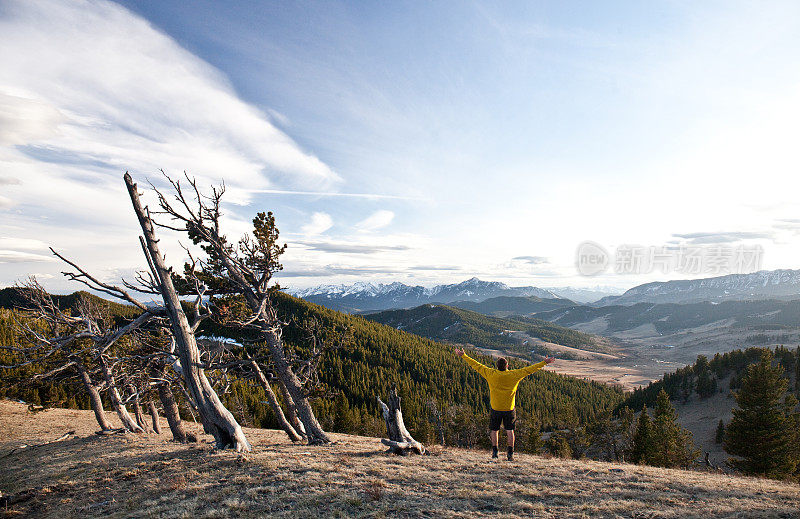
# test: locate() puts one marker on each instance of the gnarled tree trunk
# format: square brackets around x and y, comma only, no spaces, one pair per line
[172,413]
[291,409]
[116,401]
[94,398]
[400,440]
[154,415]
[314,432]
[274,404]
[215,417]
[137,411]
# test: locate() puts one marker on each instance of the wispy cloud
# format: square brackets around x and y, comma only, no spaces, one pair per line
[322,194]
[435,267]
[532,260]
[15,256]
[90,90]
[377,220]
[335,270]
[699,238]
[320,222]
[9,181]
[350,248]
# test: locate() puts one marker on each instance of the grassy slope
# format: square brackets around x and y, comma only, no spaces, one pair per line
[147,476]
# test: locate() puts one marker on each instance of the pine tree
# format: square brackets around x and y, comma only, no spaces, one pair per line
[534,440]
[763,430]
[797,371]
[672,444]
[558,445]
[642,448]
[719,437]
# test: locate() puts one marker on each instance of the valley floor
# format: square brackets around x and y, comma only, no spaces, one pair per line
[148,476]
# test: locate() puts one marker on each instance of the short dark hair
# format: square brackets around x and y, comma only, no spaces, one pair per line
[502,364]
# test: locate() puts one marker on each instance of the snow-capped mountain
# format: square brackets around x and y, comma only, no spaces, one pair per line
[764,284]
[364,296]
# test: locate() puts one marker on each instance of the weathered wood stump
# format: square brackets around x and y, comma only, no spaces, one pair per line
[400,440]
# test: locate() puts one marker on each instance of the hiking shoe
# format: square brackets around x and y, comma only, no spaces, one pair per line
[494,452]
[510,454]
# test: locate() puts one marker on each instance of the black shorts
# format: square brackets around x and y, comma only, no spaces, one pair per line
[507,418]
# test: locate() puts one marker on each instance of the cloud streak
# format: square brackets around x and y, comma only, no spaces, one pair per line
[350,248]
[532,260]
[699,238]
[90,90]
[377,220]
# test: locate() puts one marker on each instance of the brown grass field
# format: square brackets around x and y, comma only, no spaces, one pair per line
[147,476]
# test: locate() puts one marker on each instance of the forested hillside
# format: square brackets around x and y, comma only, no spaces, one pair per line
[513,305]
[436,386]
[442,322]
[702,379]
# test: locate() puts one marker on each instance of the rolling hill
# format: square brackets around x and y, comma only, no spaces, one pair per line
[503,306]
[457,325]
[674,334]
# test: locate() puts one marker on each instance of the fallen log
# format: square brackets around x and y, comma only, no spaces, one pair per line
[109,432]
[400,440]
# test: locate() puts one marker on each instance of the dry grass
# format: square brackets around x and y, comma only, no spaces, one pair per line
[147,476]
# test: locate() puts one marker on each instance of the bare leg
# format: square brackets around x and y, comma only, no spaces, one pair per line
[510,435]
[493,436]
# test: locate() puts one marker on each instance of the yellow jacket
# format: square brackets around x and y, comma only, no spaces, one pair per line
[502,384]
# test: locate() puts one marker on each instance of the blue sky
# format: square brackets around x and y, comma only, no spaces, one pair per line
[481,132]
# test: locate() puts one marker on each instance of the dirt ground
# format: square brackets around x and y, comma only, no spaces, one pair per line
[148,476]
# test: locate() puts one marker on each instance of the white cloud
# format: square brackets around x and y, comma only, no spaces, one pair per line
[23,120]
[90,90]
[377,220]
[7,242]
[132,98]
[15,256]
[320,222]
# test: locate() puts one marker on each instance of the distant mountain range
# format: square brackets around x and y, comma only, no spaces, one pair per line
[764,284]
[499,299]
[366,297]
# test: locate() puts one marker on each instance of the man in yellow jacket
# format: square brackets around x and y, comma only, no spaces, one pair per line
[503,384]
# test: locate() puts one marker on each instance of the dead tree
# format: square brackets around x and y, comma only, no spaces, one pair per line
[171,411]
[217,420]
[94,397]
[74,340]
[283,423]
[154,416]
[245,270]
[400,440]
[116,399]
[230,356]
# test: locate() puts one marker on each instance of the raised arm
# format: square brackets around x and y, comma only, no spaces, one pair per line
[474,364]
[527,370]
